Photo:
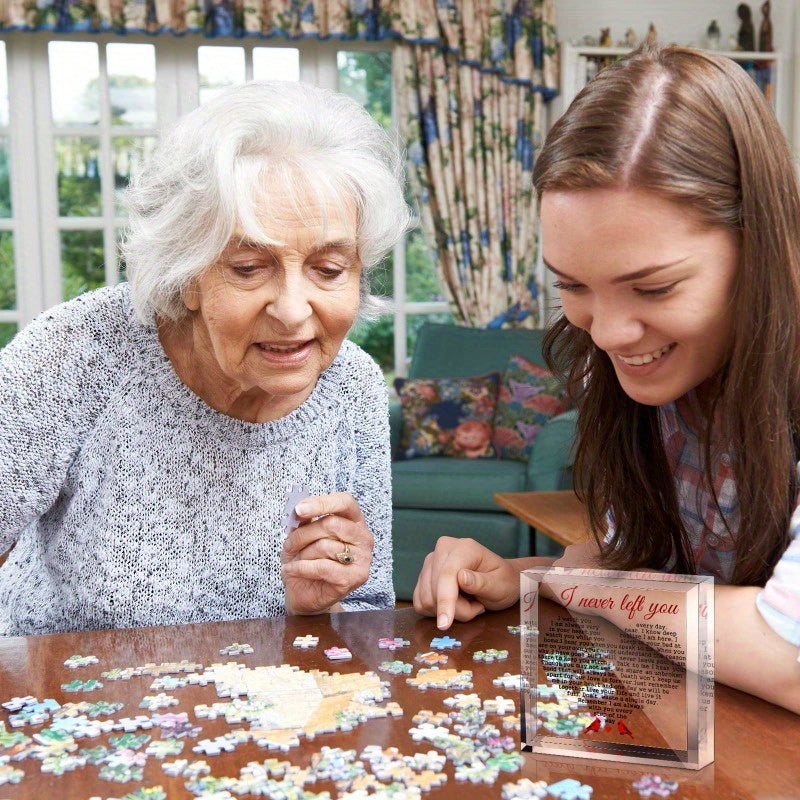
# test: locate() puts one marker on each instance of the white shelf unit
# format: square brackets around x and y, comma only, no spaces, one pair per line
[574,61]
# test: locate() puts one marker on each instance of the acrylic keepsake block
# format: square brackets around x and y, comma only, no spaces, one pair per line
[618,665]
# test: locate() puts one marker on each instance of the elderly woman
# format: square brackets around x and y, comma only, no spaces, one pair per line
[151,433]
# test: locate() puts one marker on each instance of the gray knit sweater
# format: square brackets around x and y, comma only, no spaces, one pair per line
[132,502]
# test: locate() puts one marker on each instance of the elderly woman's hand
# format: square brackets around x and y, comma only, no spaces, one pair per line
[328,556]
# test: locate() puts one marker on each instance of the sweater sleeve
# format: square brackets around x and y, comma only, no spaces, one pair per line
[779,600]
[46,407]
[373,483]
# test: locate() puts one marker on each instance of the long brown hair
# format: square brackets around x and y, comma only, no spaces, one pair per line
[693,128]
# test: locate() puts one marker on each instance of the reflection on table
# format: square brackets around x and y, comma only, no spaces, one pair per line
[755,742]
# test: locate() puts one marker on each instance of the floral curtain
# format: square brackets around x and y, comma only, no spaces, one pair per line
[471,78]
[472,131]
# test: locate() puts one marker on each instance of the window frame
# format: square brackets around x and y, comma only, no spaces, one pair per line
[32,157]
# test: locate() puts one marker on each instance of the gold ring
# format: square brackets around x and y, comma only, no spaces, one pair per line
[345,557]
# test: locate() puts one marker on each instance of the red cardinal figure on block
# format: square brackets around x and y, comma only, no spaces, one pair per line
[623,729]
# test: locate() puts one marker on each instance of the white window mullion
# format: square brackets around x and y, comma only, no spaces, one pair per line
[48,187]
[21,52]
[177,89]
[318,64]
[106,167]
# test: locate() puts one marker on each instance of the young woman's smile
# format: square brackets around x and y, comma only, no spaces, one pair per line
[648,281]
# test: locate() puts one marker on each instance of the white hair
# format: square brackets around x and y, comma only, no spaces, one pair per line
[207,174]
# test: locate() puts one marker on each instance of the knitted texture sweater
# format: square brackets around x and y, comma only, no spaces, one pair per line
[132,502]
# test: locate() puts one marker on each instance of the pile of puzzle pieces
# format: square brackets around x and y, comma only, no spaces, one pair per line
[468,739]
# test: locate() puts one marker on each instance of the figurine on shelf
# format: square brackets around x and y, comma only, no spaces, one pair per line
[651,34]
[712,35]
[630,38]
[765,31]
[605,37]
[746,38]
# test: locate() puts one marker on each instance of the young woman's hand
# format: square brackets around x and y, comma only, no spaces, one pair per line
[461,579]
[328,556]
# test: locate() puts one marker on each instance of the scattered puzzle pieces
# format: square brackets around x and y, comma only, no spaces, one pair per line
[154,702]
[306,642]
[236,649]
[435,678]
[338,654]
[570,789]
[73,662]
[650,785]
[392,644]
[444,643]
[490,655]
[431,658]
[500,705]
[524,789]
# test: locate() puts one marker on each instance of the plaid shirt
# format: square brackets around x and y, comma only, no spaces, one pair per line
[714,549]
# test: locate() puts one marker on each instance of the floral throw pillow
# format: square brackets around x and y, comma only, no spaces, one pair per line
[448,416]
[529,395]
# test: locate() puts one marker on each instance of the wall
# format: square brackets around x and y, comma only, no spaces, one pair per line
[685,22]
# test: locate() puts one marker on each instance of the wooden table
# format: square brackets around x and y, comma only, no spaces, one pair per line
[559,515]
[756,743]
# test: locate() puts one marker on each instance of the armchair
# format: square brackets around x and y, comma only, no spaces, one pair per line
[438,496]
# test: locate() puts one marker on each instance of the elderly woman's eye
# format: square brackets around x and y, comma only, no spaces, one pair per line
[329,271]
[245,270]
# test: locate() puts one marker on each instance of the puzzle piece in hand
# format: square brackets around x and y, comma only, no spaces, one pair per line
[570,789]
[444,643]
[290,519]
[306,642]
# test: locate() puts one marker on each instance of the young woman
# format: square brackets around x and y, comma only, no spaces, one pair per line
[670,215]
